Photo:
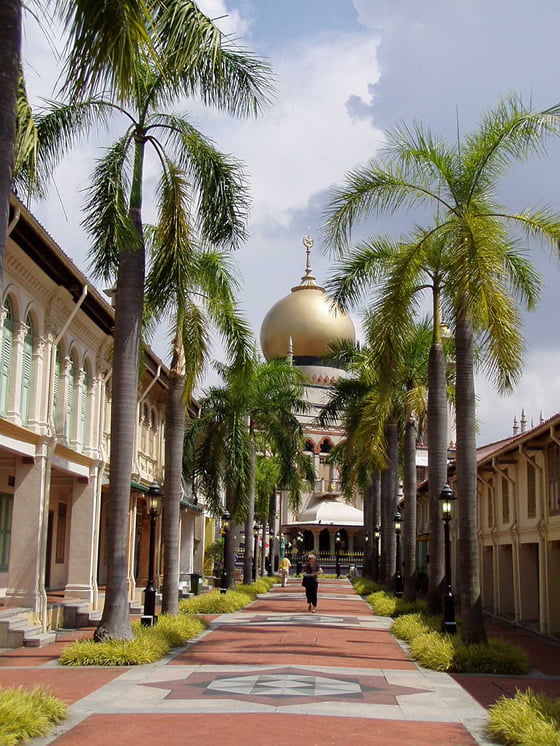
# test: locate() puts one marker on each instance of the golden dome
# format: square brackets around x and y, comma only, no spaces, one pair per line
[306,317]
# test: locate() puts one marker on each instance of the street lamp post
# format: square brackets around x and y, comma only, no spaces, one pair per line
[225,533]
[398,575]
[255,549]
[448,623]
[299,540]
[270,571]
[337,553]
[377,537]
[366,555]
[153,501]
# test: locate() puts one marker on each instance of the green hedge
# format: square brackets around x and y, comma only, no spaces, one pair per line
[387,604]
[28,714]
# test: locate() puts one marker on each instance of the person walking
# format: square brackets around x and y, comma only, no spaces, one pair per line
[310,582]
[285,565]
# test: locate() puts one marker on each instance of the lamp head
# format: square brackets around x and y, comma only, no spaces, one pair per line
[397,521]
[446,497]
[154,496]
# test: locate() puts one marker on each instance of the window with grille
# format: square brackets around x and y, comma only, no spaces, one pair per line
[553,454]
[6,357]
[6,506]
[505,500]
[531,491]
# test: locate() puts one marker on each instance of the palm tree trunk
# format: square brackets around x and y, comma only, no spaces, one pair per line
[249,521]
[174,438]
[409,530]
[437,469]
[389,481]
[368,533]
[10,51]
[229,549]
[115,621]
[472,628]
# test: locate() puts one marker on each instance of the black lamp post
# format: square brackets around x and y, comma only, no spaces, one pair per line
[299,540]
[255,549]
[366,554]
[270,571]
[153,501]
[448,623]
[398,575]
[337,553]
[225,533]
[377,537]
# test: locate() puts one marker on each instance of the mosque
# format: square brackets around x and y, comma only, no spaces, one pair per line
[301,326]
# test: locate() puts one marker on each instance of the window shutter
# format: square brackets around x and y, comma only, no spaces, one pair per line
[6,359]
[26,374]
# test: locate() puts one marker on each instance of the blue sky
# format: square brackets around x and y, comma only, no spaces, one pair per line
[345,72]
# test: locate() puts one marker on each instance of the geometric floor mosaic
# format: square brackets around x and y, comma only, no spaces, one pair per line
[284,686]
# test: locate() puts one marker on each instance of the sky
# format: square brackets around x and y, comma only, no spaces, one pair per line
[344,72]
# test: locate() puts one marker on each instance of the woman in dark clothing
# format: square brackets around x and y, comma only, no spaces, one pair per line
[310,582]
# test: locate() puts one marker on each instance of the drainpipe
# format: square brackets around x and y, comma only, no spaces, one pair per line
[13,221]
[51,445]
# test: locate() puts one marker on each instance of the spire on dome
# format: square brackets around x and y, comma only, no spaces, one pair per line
[308,279]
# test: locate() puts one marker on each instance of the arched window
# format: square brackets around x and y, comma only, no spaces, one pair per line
[308,445]
[6,356]
[27,371]
[326,446]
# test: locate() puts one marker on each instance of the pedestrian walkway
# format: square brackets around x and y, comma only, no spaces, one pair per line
[270,674]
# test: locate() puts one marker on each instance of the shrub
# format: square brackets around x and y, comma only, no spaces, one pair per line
[529,719]
[365,586]
[148,645]
[28,714]
[215,603]
[143,648]
[176,629]
[433,650]
[497,657]
[442,652]
[387,604]
[409,626]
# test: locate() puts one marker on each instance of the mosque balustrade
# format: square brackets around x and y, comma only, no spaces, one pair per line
[327,486]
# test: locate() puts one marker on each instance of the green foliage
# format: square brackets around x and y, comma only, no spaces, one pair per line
[409,626]
[387,604]
[527,719]
[261,585]
[28,714]
[215,603]
[365,586]
[148,645]
[442,652]
[497,657]
[433,650]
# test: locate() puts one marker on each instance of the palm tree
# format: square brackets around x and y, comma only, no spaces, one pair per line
[484,274]
[255,411]
[398,275]
[196,287]
[195,59]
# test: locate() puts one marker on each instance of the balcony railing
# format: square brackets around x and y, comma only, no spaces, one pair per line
[333,486]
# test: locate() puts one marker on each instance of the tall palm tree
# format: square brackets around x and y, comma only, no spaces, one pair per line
[193,59]
[485,274]
[196,288]
[398,275]
[255,411]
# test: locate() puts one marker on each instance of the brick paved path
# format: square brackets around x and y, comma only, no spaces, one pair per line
[271,674]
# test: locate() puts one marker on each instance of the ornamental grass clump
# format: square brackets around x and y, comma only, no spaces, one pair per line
[365,586]
[528,719]
[409,626]
[215,603]
[143,648]
[175,629]
[387,604]
[433,650]
[28,714]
